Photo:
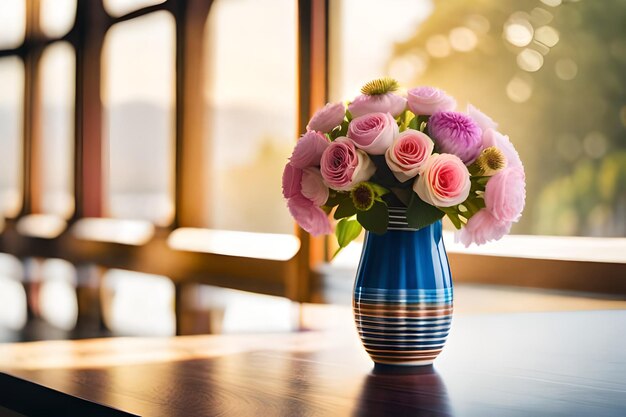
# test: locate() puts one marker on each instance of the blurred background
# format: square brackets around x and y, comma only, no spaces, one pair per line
[142,144]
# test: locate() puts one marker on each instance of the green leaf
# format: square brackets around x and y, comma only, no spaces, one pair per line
[346,231]
[345,209]
[413,124]
[375,219]
[420,214]
[378,189]
[348,115]
[335,198]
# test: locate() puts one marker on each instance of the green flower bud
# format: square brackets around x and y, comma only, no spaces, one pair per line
[380,86]
[490,161]
[363,196]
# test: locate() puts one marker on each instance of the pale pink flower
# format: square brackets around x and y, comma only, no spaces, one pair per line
[343,165]
[310,217]
[313,186]
[308,150]
[408,153]
[505,194]
[425,101]
[456,133]
[381,103]
[482,120]
[373,132]
[481,228]
[327,118]
[292,178]
[494,138]
[444,181]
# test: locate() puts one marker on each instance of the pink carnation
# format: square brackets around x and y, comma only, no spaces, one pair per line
[481,228]
[310,217]
[327,118]
[505,194]
[456,133]
[425,101]
[381,103]
[292,178]
[308,150]
[408,153]
[482,120]
[313,186]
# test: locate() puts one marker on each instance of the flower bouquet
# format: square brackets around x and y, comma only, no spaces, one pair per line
[396,166]
[414,152]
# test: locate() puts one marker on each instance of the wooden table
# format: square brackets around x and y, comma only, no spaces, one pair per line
[531,364]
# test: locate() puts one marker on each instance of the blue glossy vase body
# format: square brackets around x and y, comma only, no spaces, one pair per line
[403,294]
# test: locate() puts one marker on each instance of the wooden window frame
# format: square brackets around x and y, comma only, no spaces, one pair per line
[297,278]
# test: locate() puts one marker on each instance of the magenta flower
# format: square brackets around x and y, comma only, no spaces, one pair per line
[456,133]
[313,186]
[429,100]
[292,180]
[310,217]
[327,118]
[505,194]
[343,165]
[373,132]
[309,150]
[380,103]
[481,228]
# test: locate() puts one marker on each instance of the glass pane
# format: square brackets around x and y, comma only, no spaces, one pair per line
[138,94]
[57,16]
[11,126]
[12,23]
[251,113]
[553,75]
[57,81]
[121,7]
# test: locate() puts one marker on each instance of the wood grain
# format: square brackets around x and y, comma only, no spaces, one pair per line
[530,364]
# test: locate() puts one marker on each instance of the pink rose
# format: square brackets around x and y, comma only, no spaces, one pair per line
[444,181]
[292,177]
[482,120]
[344,166]
[408,153]
[425,101]
[327,118]
[373,132]
[505,194]
[481,228]
[308,150]
[381,103]
[494,138]
[313,186]
[310,217]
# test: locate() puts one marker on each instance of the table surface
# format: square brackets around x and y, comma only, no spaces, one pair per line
[528,364]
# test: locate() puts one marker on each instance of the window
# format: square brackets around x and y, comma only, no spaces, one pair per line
[138,94]
[57,81]
[250,94]
[11,124]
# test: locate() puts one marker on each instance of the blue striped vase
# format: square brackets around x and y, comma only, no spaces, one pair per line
[403,293]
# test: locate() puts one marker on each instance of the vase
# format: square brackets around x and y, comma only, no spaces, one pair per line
[403,293]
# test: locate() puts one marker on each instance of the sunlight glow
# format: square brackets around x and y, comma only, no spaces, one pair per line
[128,311]
[223,242]
[57,16]
[12,23]
[46,226]
[127,232]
